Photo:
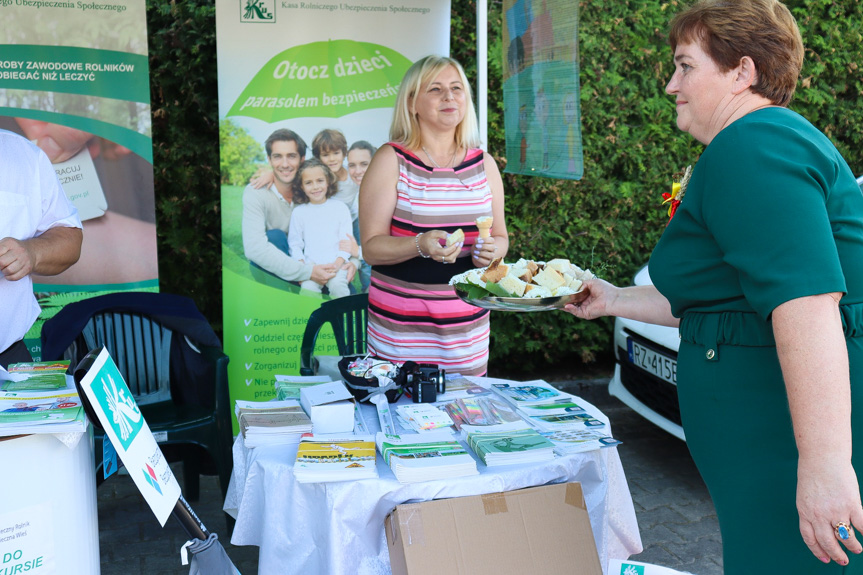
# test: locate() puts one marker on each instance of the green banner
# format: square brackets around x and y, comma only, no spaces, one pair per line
[74,79]
[103,73]
[325,73]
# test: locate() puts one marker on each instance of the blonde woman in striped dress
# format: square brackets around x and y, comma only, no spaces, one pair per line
[430,180]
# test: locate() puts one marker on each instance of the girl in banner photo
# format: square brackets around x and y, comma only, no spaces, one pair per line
[430,180]
[318,221]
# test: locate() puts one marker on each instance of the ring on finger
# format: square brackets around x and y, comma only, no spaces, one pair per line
[843,531]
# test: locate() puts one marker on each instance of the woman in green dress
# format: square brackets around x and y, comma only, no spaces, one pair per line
[761,267]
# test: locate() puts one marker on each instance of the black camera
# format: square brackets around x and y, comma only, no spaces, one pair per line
[423,381]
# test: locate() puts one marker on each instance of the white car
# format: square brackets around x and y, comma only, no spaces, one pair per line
[645,375]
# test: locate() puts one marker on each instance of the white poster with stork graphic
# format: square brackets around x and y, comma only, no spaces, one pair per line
[124,425]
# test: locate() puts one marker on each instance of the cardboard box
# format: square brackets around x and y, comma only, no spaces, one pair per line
[330,406]
[535,530]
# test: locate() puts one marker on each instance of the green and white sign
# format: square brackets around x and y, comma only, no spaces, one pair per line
[306,67]
[74,79]
[124,425]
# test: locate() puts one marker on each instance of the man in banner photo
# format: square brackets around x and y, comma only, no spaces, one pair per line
[331,79]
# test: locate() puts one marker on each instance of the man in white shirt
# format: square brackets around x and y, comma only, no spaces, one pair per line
[267,215]
[40,232]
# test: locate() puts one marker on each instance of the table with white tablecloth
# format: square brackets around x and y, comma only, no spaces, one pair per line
[338,528]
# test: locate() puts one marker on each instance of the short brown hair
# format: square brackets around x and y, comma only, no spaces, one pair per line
[300,196]
[764,30]
[329,141]
[285,135]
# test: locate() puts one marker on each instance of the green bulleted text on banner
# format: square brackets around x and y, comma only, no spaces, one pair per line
[74,79]
[301,81]
[542,111]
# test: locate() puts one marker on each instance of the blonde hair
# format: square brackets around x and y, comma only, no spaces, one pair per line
[405,129]
[764,30]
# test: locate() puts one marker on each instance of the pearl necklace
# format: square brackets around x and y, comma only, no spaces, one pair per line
[435,164]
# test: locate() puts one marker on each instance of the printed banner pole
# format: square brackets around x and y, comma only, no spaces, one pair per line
[297,81]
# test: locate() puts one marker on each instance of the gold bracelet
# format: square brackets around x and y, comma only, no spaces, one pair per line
[417,243]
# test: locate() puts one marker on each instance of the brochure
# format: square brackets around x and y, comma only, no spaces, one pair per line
[36,376]
[508,443]
[425,457]
[271,422]
[458,386]
[423,417]
[568,442]
[322,458]
[565,421]
[289,386]
[485,410]
[530,392]
[24,412]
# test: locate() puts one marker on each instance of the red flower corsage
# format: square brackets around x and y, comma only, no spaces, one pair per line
[678,189]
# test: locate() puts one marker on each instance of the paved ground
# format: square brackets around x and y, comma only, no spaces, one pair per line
[676,517]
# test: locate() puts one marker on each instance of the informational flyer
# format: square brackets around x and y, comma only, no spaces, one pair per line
[298,81]
[74,79]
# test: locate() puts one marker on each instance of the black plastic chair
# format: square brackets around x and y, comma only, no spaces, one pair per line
[173,364]
[348,317]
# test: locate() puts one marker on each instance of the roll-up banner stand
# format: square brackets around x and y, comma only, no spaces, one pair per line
[325,70]
[74,78]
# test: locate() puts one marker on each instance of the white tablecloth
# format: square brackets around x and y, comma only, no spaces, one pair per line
[337,528]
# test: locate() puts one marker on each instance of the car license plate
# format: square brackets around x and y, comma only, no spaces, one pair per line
[652,362]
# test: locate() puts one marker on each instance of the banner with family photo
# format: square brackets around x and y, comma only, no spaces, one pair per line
[74,79]
[306,91]
[542,110]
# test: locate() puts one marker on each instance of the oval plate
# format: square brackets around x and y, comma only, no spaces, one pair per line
[524,304]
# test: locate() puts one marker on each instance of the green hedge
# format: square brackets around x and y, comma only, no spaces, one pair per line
[608,220]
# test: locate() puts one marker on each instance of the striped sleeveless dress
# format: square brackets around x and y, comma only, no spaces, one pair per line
[414,313]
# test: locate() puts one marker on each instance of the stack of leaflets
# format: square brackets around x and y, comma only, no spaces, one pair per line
[322,458]
[483,410]
[425,457]
[560,415]
[36,376]
[271,422]
[423,417]
[557,415]
[568,442]
[24,412]
[508,443]
[289,386]
[529,393]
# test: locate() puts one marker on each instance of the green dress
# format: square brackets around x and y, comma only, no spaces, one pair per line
[772,213]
